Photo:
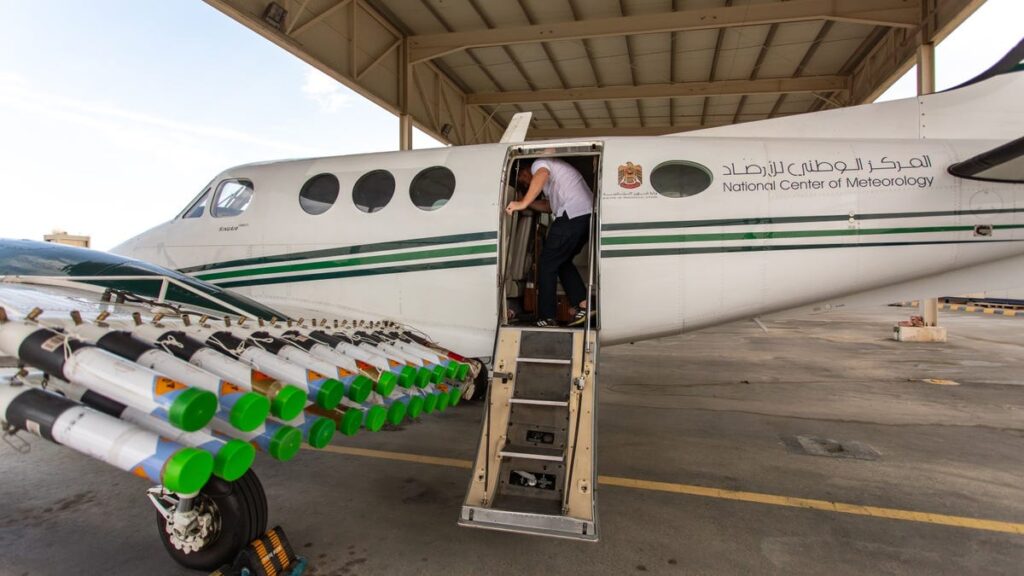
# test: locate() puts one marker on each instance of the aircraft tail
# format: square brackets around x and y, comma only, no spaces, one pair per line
[987,107]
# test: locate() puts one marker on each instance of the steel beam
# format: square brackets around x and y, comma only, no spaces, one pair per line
[350,41]
[592,132]
[895,52]
[649,91]
[894,13]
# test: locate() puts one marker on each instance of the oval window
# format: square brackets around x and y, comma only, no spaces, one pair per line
[432,188]
[678,178]
[233,197]
[373,190]
[319,193]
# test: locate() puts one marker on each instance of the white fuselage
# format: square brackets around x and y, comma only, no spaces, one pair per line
[785,222]
[780,226]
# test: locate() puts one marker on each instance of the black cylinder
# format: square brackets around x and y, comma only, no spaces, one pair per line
[123,344]
[36,410]
[44,349]
[180,344]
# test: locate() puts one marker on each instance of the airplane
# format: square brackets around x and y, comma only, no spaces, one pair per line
[412,251]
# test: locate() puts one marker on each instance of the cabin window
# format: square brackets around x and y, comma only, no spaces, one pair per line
[373,191]
[233,197]
[679,178]
[198,206]
[432,188]
[319,193]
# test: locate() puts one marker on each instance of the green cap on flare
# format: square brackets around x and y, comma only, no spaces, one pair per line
[359,389]
[321,432]
[462,372]
[387,380]
[351,421]
[438,374]
[187,471]
[331,393]
[451,368]
[396,413]
[288,402]
[375,416]
[386,385]
[285,443]
[249,412]
[406,376]
[442,401]
[430,402]
[454,396]
[423,377]
[192,409]
[233,459]
[415,406]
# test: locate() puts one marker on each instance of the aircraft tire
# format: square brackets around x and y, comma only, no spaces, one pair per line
[242,509]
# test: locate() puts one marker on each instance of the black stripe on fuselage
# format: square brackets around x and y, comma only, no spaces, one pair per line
[723,249]
[796,219]
[363,272]
[346,250]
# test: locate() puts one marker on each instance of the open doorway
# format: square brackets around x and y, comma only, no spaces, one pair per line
[523,235]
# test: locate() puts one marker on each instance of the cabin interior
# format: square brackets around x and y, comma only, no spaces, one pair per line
[523,236]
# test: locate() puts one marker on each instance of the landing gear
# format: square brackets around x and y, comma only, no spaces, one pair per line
[208,530]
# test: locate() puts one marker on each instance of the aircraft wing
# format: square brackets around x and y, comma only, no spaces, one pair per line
[181,382]
[1001,164]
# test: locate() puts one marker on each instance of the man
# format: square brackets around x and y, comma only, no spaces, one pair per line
[571,201]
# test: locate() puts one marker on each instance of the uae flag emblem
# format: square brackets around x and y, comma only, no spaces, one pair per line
[630,175]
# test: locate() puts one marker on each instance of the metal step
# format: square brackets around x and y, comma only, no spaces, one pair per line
[532,453]
[544,360]
[534,402]
[535,472]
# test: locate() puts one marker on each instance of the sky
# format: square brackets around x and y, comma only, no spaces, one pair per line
[114,114]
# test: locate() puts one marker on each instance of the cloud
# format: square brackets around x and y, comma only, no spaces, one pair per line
[328,93]
[16,93]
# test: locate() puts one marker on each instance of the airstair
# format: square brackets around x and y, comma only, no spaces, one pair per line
[535,467]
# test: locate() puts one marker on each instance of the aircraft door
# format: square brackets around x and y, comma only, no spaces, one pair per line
[524,234]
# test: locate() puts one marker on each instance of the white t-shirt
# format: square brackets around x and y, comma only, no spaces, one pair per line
[565,188]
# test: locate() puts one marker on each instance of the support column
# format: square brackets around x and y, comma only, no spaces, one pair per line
[404,80]
[405,132]
[925,68]
[931,331]
[926,85]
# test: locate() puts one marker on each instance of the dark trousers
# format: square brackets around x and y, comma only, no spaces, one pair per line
[565,240]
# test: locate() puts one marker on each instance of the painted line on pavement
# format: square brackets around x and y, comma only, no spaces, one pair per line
[723,494]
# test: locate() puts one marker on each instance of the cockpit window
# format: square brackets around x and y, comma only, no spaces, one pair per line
[432,188]
[233,197]
[198,206]
[373,190]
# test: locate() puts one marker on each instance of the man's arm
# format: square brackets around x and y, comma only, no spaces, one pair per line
[541,206]
[536,185]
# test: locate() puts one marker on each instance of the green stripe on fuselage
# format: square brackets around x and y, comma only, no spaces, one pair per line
[472,262]
[780,247]
[796,219]
[360,261]
[778,234]
[345,251]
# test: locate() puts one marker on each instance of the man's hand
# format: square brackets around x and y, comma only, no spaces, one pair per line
[514,207]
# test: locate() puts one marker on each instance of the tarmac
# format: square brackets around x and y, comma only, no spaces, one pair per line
[707,446]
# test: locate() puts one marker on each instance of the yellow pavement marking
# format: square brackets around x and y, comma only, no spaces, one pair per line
[417,458]
[723,494]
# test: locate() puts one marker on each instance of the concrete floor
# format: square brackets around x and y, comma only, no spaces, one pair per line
[708,409]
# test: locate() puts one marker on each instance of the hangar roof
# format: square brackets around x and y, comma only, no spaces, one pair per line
[459,69]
